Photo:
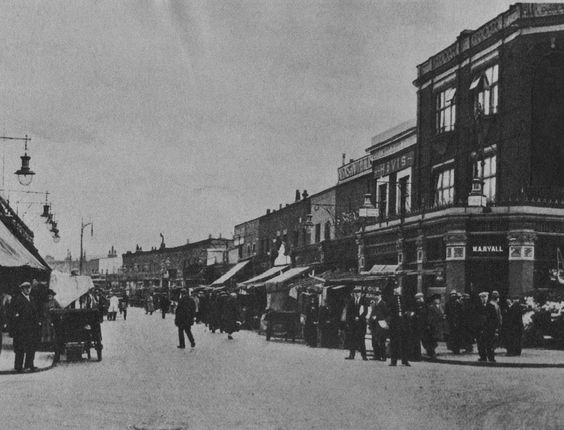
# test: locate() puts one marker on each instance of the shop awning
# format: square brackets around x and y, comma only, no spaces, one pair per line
[282,281]
[229,274]
[265,276]
[381,269]
[13,253]
[69,288]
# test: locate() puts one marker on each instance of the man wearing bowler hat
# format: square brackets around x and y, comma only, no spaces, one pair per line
[184,318]
[356,310]
[488,326]
[379,320]
[25,328]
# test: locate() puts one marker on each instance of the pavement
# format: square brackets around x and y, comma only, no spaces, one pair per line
[43,360]
[145,382]
[529,358]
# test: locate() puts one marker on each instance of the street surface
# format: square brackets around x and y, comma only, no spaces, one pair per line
[145,382]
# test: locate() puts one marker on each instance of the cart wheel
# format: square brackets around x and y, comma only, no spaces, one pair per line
[99,353]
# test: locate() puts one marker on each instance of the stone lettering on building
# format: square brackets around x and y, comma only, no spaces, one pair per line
[487,31]
[393,165]
[445,56]
[548,9]
[355,168]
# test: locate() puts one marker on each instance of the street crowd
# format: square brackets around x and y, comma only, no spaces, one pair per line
[406,329]
[402,328]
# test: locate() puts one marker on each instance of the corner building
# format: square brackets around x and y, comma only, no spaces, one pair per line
[488,176]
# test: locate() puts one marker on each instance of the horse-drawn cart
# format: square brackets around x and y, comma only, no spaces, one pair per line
[76,332]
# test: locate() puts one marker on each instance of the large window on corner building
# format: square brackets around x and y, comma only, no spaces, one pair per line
[485,84]
[489,175]
[444,186]
[446,110]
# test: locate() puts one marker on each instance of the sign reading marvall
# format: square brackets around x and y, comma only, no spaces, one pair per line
[483,247]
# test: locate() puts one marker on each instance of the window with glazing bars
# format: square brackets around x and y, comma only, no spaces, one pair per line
[488,175]
[446,110]
[444,187]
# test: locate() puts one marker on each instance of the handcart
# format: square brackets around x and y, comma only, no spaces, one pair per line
[282,324]
[76,332]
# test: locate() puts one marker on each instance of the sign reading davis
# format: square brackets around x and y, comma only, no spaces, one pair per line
[394,164]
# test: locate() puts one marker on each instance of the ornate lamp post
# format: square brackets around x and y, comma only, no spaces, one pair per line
[83,225]
[25,174]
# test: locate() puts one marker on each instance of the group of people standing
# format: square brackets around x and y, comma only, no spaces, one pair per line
[412,324]
[218,312]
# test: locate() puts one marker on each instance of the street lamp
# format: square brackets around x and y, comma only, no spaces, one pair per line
[83,225]
[367,210]
[25,174]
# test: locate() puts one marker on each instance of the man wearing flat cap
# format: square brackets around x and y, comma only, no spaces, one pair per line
[453,313]
[355,310]
[488,326]
[184,318]
[25,328]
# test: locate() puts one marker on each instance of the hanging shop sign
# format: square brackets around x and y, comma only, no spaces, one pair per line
[394,164]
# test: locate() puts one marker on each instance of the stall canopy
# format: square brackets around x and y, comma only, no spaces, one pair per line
[69,288]
[229,274]
[265,276]
[14,254]
[282,281]
[381,269]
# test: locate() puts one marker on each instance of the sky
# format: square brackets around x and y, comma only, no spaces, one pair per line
[188,117]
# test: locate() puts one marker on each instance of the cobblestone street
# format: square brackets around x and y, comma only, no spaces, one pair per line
[145,382]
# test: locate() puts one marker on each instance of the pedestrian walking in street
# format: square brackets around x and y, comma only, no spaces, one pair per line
[4,304]
[123,304]
[513,322]
[25,328]
[310,323]
[433,326]
[467,324]
[165,304]
[399,328]
[230,315]
[113,308]
[417,329]
[354,316]
[378,321]
[328,327]
[453,313]
[184,318]
[150,305]
[488,328]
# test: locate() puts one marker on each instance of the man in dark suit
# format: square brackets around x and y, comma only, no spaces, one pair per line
[355,319]
[379,320]
[399,328]
[184,318]
[488,328]
[453,312]
[25,326]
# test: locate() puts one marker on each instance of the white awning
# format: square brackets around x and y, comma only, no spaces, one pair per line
[274,283]
[265,276]
[13,253]
[381,269]
[69,288]
[230,273]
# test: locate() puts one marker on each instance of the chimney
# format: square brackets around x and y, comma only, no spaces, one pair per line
[344,158]
[280,207]
[268,211]
[305,194]
[298,195]
[351,160]
[187,241]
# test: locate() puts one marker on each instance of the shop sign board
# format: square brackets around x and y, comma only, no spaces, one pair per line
[355,168]
[482,247]
[394,165]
